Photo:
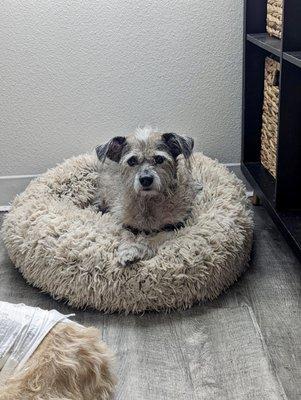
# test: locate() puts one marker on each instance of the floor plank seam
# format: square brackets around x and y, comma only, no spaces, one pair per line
[266,351]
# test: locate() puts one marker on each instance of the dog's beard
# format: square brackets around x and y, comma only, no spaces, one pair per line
[148,193]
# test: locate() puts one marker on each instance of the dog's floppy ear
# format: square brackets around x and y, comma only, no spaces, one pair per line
[178,144]
[112,149]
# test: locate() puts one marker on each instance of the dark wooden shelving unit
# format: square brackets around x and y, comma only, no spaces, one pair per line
[281,196]
[293,57]
[266,42]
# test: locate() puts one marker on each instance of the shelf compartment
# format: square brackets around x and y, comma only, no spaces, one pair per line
[289,222]
[266,42]
[261,180]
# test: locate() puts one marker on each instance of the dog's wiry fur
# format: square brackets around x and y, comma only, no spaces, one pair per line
[70,364]
[166,200]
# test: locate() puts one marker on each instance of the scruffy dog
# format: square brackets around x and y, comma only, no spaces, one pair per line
[71,363]
[145,181]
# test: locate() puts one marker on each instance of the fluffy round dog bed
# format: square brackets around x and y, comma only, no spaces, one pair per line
[63,246]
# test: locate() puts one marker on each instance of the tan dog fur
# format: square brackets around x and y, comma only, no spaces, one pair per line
[70,364]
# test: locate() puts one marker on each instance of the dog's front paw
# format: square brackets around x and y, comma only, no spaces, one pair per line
[127,255]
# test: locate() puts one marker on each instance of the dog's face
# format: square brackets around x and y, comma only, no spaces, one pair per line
[148,159]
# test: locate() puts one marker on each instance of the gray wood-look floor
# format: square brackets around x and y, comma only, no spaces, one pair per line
[244,345]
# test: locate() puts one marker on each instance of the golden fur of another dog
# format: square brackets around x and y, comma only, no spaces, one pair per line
[70,364]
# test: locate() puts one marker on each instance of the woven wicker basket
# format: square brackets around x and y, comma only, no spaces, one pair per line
[274,17]
[269,130]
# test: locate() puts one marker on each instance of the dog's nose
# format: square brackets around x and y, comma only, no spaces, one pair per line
[146,181]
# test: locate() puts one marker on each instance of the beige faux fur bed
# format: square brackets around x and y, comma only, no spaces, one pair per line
[63,246]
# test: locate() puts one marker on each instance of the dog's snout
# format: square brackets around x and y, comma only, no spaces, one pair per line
[146,180]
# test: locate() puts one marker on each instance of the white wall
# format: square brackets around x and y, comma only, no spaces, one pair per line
[74,73]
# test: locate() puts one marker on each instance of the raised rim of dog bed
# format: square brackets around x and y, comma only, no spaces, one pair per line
[63,246]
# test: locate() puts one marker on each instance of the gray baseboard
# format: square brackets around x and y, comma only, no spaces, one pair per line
[12,185]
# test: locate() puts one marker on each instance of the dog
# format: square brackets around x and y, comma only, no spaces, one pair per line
[45,356]
[145,181]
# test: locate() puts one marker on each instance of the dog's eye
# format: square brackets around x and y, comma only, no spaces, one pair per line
[132,161]
[159,159]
